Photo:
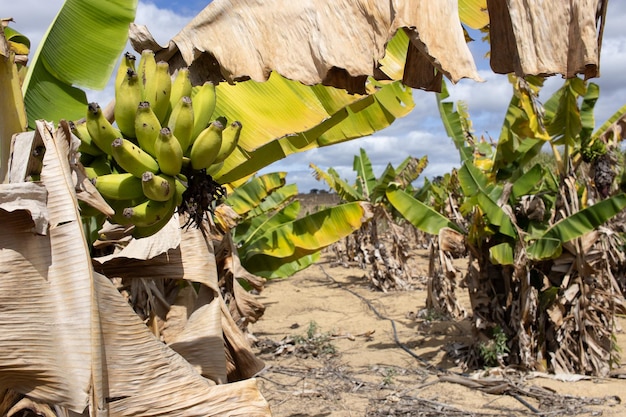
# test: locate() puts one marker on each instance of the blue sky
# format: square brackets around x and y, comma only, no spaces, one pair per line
[419,133]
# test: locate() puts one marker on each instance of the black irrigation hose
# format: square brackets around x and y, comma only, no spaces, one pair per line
[404,347]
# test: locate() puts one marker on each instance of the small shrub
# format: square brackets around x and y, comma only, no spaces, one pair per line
[493,351]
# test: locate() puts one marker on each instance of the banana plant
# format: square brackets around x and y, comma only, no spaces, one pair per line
[531,233]
[389,269]
[273,238]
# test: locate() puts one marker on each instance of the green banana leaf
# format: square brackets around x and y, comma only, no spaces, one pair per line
[277,198]
[502,254]
[587,219]
[394,61]
[608,126]
[575,226]
[382,184]
[366,180]
[302,118]
[308,234]
[417,213]
[563,118]
[249,195]
[475,185]
[274,268]
[473,180]
[345,191]
[453,124]
[530,180]
[254,228]
[522,134]
[587,117]
[18,43]
[81,48]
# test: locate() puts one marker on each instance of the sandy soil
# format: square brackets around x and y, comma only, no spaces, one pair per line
[348,362]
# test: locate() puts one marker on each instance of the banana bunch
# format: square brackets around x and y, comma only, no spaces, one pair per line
[154,157]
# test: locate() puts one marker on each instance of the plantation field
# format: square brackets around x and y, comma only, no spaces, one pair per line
[329,346]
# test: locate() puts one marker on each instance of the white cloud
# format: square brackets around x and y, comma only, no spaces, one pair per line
[31,19]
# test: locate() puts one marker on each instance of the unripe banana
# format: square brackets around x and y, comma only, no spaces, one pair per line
[146,68]
[122,186]
[149,212]
[147,127]
[88,211]
[132,158]
[169,153]
[181,87]
[158,90]
[203,107]
[86,143]
[127,98]
[127,62]
[100,129]
[180,189]
[206,146]
[119,205]
[230,138]
[158,187]
[181,122]
[97,167]
[141,232]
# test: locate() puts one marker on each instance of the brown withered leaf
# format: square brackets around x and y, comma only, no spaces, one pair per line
[333,42]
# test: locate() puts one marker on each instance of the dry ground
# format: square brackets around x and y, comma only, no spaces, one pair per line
[349,363]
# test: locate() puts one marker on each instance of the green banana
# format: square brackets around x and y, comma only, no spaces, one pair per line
[98,166]
[102,132]
[180,189]
[147,231]
[119,205]
[206,146]
[181,122]
[146,68]
[169,153]
[158,90]
[86,143]
[204,101]
[181,87]
[127,62]
[147,127]
[158,187]
[149,212]
[127,97]
[132,158]
[123,186]
[230,138]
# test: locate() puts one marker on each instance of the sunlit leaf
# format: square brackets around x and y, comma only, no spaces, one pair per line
[366,180]
[310,233]
[501,254]
[248,196]
[81,48]
[417,213]
[273,136]
[474,13]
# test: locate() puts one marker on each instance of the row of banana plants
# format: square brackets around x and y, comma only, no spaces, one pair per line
[543,266]
[179,299]
[387,266]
